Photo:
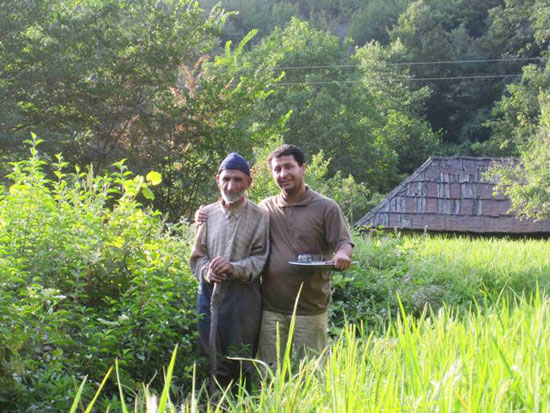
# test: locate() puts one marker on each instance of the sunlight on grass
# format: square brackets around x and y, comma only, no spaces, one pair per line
[495,360]
[492,359]
[488,355]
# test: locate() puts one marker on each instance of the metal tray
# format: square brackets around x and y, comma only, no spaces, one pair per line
[317,265]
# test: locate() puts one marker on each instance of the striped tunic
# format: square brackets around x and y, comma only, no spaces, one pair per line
[241,236]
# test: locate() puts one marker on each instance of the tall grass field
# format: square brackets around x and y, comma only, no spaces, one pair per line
[485,351]
[485,361]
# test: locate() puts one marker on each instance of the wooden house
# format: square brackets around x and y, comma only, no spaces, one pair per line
[451,194]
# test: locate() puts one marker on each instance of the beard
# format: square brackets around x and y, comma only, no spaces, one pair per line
[230,198]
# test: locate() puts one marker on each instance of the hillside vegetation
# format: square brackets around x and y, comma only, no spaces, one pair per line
[136,103]
[376,86]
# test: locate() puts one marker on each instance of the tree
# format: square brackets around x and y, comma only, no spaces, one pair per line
[511,31]
[441,31]
[527,183]
[515,116]
[81,74]
[338,105]
[18,57]
[266,15]
[523,125]
[102,81]
[403,137]
[374,20]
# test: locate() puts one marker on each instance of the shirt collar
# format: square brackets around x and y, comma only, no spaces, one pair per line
[233,212]
[304,200]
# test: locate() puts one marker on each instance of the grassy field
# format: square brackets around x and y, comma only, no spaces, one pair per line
[485,350]
[491,360]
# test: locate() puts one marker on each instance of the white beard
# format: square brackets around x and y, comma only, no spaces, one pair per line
[231,198]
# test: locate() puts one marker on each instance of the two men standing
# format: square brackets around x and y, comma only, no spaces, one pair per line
[301,221]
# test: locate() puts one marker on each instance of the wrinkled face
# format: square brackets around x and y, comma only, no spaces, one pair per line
[232,184]
[288,175]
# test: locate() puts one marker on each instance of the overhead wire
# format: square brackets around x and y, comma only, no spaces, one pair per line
[400,79]
[426,63]
[404,79]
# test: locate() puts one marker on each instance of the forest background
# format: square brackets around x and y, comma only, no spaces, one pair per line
[372,87]
[368,88]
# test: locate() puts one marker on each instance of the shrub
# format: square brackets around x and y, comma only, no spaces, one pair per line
[87,275]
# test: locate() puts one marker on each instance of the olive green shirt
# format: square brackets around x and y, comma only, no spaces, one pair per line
[314,224]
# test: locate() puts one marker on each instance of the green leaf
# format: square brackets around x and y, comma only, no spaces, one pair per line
[164,397]
[122,403]
[91,405]
[147,193]
[78,395]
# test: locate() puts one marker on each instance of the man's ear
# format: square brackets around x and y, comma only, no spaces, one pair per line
[248,182]
[303,166]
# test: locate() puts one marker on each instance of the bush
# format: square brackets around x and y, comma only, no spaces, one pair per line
[87,275]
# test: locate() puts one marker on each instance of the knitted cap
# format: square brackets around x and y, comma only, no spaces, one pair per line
[235,161]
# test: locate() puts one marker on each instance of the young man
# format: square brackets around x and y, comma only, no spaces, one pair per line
[230,251]
[301,221]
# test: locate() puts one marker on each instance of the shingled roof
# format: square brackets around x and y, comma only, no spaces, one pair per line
[450,194]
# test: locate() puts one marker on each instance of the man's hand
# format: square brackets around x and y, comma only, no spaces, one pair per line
[342,258]
[221,265]
[213,277]
[200,216]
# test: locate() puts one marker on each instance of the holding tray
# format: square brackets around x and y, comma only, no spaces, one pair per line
[317,265]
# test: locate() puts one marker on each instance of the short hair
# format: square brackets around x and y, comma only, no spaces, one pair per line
[287,150]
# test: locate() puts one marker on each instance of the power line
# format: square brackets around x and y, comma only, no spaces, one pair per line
[404,79]
[414,79]
[449,62]
[506,59]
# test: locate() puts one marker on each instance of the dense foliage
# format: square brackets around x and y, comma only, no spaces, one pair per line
[465,51]
[424,271]
[527,181]
[87,275]
[429,315]
[359,119]
[377,86]
[106,80]
[522,125]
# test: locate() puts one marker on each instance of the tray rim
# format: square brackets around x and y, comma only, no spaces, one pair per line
[317,264]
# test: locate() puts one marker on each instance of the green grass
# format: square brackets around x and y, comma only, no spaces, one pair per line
[492,359]
[434,271]
[484,348]
[502,257]
[482,268]
[488,360]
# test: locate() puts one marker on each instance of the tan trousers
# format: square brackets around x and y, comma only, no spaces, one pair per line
[309,335]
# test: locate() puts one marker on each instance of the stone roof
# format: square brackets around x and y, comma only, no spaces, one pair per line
[450,194]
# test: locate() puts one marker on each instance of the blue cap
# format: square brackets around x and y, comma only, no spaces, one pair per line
[235,161]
